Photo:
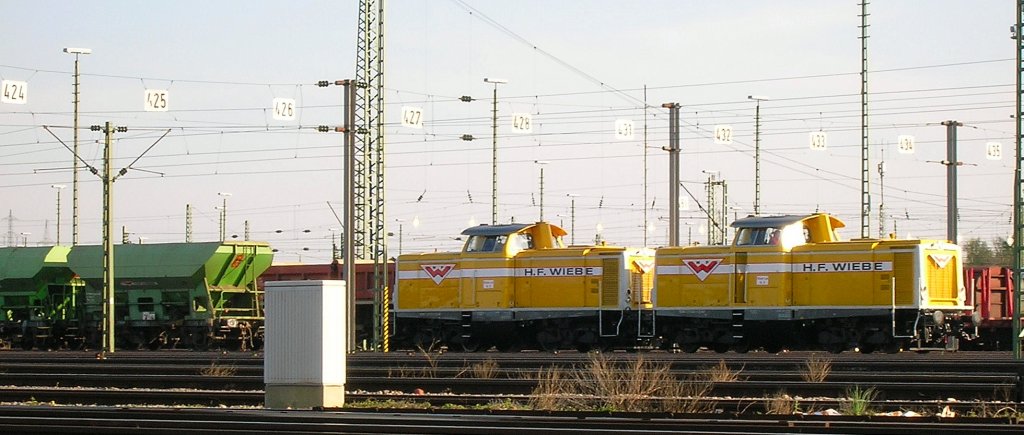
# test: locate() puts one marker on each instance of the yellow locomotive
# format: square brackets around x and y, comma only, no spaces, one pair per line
[788,282]
[518,285]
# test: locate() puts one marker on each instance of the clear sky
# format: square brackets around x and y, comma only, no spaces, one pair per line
[575,66]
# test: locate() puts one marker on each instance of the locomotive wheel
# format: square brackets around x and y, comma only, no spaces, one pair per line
[741,347]
[867,348]
[720,347]
[773,348]
[689,347]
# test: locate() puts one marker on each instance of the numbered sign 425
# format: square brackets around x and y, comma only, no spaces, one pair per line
[15,92]
[156,100]
[284,109]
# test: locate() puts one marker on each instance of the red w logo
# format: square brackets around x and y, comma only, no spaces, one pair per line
[703,267]
[437,272]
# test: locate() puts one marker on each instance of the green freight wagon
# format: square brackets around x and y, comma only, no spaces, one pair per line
[39,298]
[193,295]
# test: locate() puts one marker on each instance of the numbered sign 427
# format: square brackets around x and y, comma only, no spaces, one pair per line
[521,123]
[412,117]
[284,109]
[15,92]
[156,100]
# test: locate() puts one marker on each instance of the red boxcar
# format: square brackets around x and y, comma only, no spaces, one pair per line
[990,291]
[364,280]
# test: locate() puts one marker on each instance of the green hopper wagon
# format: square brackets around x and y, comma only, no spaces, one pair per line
[39,298]
[190,295]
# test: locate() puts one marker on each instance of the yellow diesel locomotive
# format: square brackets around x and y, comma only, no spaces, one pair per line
[517,285]
[788,282]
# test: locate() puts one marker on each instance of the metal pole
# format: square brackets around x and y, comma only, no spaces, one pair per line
[74,168]
[757,159]
[673,176]
[542,194]
[951,164]
[572,219]
[108,244]
[59,187]
[188,223]
[349,251]
[1018,185]
[494,157]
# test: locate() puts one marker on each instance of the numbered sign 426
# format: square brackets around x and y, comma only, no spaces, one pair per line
[284,109]
[521,123]
[156,100]
[15,92]
[412,117]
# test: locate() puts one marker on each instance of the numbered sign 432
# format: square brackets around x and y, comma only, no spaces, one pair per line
[156,100]
[284,109]
[15,92]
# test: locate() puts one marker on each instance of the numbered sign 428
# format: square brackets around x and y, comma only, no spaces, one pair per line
[284,109]
[521,123]
[15,92]
[156,100]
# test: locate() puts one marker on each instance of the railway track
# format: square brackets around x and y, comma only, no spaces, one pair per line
[62,420]
[915,378]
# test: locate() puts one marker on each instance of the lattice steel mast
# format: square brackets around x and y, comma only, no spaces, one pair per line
[370,235]
[865,173]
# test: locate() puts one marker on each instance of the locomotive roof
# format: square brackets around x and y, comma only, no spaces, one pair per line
[768,221]
[493,230]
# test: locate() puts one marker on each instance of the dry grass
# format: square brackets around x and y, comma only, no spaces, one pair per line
[721,373]
[431,358]
[781,404]
[638,385]
[486,369]
[816,369]
[218,370]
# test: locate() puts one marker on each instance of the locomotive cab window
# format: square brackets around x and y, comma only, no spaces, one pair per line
[486,243]
[787,237]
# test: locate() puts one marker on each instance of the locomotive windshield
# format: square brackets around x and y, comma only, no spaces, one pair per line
[787,237]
